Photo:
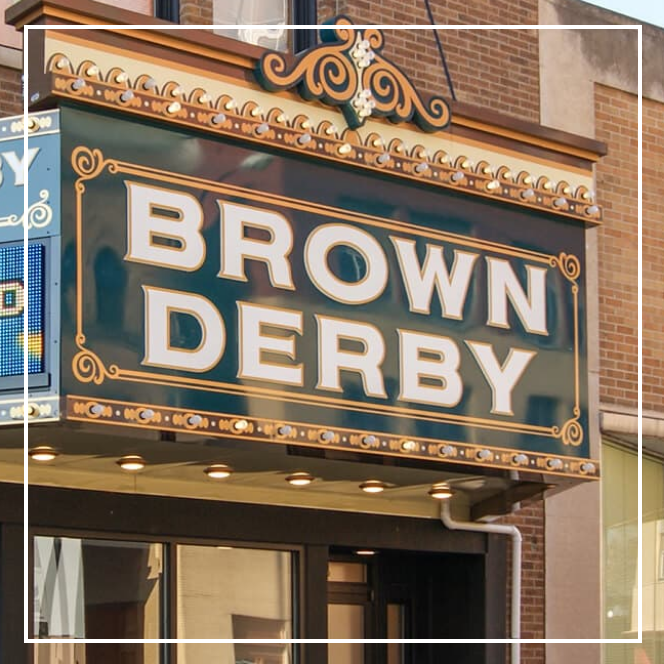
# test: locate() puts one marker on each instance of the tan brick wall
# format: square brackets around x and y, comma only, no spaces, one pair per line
[498,69]
[10,92]
[653,255]
[196,12]
[616,124]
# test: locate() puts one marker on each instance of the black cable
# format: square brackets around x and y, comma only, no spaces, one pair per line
[440,49]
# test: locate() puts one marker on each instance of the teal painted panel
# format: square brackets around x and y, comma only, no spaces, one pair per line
[218,288]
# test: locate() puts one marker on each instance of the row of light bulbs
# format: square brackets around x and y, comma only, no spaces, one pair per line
[133,463]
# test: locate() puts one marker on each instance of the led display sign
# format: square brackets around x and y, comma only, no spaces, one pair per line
[13,301]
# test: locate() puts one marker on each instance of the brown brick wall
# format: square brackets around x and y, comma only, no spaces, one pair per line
[530,521]
[10,92]
[653,255]
[498,69]
[616,124]
[196,12]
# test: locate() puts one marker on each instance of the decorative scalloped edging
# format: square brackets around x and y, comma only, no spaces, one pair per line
[223,116]
[162,418]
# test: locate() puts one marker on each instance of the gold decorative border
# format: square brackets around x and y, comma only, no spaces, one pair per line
[143,96]
[89,368]
[260,429]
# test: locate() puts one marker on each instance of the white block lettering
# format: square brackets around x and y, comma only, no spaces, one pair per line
[16,163]
[504,284]
[159,305]
[236,247]
[254,341]
[501,379]
[332,359]
[163,228]
[322,240]
[443,369]
[420,281]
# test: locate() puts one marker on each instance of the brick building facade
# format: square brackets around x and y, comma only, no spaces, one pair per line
[504,72]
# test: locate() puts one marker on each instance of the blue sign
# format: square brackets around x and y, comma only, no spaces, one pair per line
[42,214]
[13,298]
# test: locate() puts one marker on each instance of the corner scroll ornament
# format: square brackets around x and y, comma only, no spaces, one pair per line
[569,266]
[348,70]
[38,215]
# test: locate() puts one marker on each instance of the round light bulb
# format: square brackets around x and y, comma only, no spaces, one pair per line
[299,479]
[43,453]
[441,492]
[373,486]
[218,471]
[132,463]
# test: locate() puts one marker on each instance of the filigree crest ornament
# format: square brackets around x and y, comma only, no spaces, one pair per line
[348,70]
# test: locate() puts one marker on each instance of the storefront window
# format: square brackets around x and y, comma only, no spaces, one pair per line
[269,16]
[620,490]
[234,593]
[96,589]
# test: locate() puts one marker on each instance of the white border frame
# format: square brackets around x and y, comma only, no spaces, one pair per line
[27,613]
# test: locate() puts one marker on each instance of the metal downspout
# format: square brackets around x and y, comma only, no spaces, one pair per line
[515,534]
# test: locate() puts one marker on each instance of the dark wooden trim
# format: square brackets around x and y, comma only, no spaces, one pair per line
[17,13]
[12,648]
[482,114]
[11,503]
[495,599]
[166,517]
[313,609]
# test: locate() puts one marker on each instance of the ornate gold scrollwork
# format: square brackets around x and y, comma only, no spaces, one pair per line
[347,70]
[88,368]
[87,163]
[570,266]
[572,433]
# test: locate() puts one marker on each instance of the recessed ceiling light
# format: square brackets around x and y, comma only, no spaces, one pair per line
[218,471]
[43,453]
[365,552]
[441,491]
[373,486]
[132,463]
[299,478]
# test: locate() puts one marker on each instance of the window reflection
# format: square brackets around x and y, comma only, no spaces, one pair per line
[96,589]
[267,15]
[232,593]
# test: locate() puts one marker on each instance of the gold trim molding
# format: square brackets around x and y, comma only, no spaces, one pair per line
[143,96]
[259,429]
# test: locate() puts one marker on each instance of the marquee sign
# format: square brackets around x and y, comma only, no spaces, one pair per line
[43,162]
[223,289]
[38,299]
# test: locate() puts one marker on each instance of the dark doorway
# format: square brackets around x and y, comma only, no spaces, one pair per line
[406,595]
